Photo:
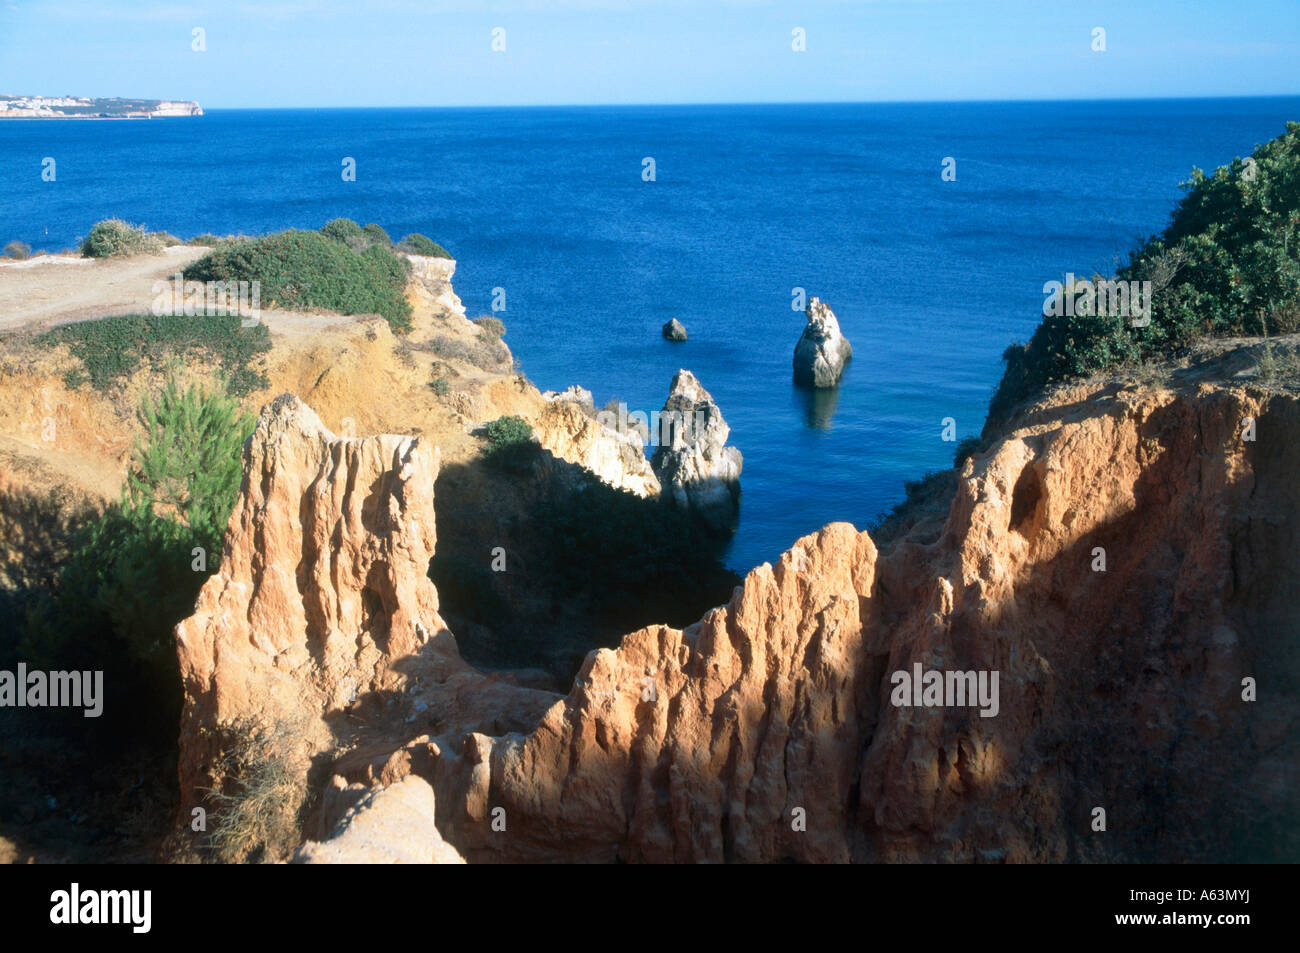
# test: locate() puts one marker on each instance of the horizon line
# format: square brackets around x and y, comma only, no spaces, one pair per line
[766,102]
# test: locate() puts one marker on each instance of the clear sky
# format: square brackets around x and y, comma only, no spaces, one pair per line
[399,53]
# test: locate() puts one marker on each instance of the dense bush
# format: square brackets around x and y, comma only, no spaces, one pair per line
[1227,264]
[114,238]
[208,240]
[341,230]
[377,235]
[469,590]
[493,326]
[112,349]
[418,244]
[299,269]
[506,431]
[17,250]
[614,550]
[966,448]
[597,562]
[510,444]
[440,386]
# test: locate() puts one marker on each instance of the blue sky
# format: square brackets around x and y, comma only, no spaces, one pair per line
[398,53]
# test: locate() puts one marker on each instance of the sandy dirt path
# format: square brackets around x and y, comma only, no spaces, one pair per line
[49,290]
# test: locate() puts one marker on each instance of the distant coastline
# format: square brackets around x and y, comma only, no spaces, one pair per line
[84,107]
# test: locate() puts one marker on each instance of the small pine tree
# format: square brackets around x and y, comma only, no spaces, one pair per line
[189,462]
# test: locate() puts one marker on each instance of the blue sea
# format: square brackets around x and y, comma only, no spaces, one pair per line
[930,279]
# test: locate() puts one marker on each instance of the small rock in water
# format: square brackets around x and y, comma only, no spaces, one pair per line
[674,331]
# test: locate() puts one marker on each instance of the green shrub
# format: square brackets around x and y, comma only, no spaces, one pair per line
[505,431]
[188,462]
[377,235]
[469,590]
[440,386]
[208,240]
[966,448]
[418,244]
[341,230]
[300,269]
[510,444]
[112,349]
[492,326]
[132,573]
[1228,264]
[18,250]
[609,550]
[114,238]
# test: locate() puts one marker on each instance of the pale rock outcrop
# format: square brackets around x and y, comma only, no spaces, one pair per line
[571,431]
[573,394]
[822,352]
[396,824]
[692,461]
[435,274]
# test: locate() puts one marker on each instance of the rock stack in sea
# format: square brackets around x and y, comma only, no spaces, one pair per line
[695,467]
[822,352]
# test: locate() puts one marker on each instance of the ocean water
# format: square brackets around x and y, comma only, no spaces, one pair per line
[930,279]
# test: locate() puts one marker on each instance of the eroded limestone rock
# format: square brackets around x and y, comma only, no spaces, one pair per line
[822,352]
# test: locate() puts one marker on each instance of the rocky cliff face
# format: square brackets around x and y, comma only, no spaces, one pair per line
[323,590]
[1121,559]
[823,351]
[769,731]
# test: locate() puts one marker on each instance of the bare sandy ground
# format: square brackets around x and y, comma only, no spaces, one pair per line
[50,290]
[53,289]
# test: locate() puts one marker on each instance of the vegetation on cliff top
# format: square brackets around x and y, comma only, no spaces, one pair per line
[1228,264]
[359,238]
[113,349]
[299,270]
[114,238]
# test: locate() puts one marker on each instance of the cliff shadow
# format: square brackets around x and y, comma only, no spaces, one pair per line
[538,562]
[1123,682]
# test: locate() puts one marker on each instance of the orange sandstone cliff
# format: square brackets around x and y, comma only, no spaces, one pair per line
[1123,557]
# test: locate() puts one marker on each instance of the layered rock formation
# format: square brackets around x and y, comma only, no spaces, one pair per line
[1121,558]
[822,352]
[435,274]
[692,461]
[322,611]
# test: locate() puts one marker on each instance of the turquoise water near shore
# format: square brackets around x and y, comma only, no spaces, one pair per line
[930,279]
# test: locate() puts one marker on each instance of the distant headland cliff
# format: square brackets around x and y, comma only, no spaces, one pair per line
[82,107]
